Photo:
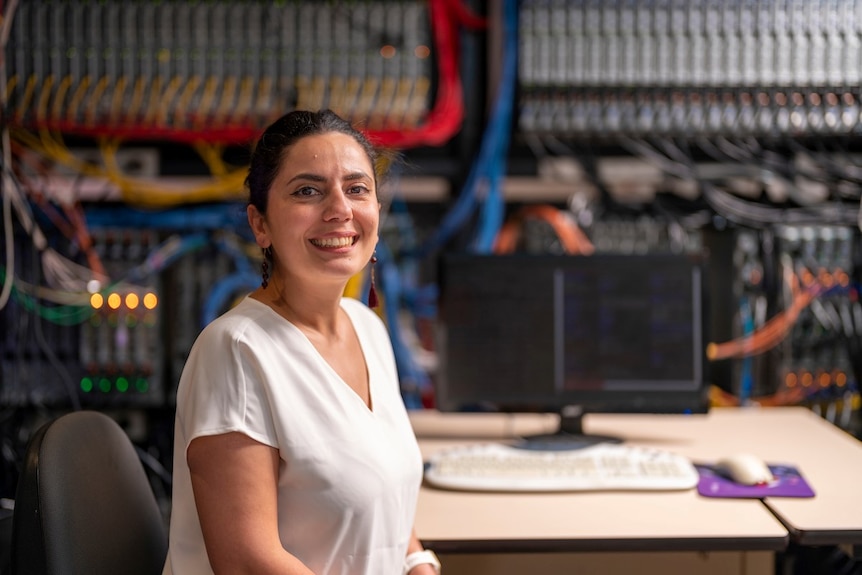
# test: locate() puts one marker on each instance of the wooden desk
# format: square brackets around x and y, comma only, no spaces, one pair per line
[829,458]
[645,524]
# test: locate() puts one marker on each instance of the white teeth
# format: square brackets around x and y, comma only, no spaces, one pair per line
[333,242]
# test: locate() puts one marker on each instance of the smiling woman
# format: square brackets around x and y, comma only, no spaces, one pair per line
[293,453]
[322,213]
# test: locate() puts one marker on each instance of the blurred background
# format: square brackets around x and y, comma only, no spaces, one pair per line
[539,126]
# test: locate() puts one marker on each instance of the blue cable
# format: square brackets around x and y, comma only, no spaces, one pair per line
[223,290]
[489,168]
[414,380]
[493,207]
[746,376]
[490,164]
[156,261]
[200,217]
[239,258]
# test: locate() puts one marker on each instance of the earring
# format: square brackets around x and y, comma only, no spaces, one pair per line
[264,267]
[372,293]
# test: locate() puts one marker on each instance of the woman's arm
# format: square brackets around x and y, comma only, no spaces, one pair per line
[424,568]
[234,479]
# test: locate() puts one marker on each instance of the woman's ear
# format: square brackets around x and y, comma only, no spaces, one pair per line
[257,223]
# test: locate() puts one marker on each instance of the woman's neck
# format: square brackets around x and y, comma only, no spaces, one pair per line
[315,309]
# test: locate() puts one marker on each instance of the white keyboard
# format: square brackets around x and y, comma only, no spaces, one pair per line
[601,467]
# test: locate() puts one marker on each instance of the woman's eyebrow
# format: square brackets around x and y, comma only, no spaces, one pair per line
[318,178]
[307,176]
[357,176]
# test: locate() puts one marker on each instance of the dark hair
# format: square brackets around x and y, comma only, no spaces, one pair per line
[285,132]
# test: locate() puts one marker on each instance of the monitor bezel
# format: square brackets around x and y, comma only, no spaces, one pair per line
[581,402]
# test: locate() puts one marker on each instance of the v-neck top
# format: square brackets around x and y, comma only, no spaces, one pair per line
[349,476]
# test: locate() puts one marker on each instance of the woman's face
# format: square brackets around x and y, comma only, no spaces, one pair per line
[322,212]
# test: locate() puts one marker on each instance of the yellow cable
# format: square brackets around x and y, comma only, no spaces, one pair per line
[383,103]
[10,86]
[207,99]
[180,116]
[351,94]
[117,100]
[72,112]
[167,98]
[337,95]
[401,102]
[93,103]
[53,149]
[108,148]
[418,102]
[154,100]
[44,98]
[318,89]
[137,99]
[138,191]
[28,95]
[58,150]
[366,99]
[227,98]
[60,97]
[243,106]
[152,194]
[212,157]
[354,286]
[303,89]
[263,96]
[229,187]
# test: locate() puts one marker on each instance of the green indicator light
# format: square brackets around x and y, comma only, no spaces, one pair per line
[142,385]
[131,321]
[86,385]
[105,385]
[122,384]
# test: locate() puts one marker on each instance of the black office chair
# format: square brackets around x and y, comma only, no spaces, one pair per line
[84,505]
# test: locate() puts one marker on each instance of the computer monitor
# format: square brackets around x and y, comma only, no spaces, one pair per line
[572,335]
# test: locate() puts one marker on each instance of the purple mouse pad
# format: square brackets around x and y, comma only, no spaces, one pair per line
[788,483]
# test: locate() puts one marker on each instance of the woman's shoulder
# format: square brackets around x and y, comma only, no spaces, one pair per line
[245,318]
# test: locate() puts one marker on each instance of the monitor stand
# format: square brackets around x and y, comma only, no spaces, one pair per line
[570,435]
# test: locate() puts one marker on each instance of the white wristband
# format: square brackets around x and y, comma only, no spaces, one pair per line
[421,558]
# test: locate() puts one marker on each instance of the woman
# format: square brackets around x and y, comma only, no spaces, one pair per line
[293,450]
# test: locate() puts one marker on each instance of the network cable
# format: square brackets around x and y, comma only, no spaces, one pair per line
[491,158]
[492,212]
[414,380]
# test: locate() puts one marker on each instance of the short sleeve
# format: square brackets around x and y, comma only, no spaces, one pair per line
[222,389]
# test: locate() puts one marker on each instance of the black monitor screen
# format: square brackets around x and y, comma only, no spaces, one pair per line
[608,333]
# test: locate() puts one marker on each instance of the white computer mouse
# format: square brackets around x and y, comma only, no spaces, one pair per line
[745,469]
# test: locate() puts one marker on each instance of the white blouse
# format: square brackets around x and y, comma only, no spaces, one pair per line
[349,476]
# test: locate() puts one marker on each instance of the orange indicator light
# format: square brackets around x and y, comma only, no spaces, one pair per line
[97,301]
[132,300]
[150,300]
[114,301]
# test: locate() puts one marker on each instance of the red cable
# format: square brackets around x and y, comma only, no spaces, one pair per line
[467,17]
[444,120]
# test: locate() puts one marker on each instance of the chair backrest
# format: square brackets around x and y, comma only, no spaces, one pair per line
[83,503]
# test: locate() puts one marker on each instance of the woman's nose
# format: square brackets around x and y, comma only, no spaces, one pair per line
[337,205]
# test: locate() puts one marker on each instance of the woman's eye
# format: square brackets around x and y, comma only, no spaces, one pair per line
[305,191]
[358,190]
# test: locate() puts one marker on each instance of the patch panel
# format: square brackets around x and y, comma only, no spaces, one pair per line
[589,68]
